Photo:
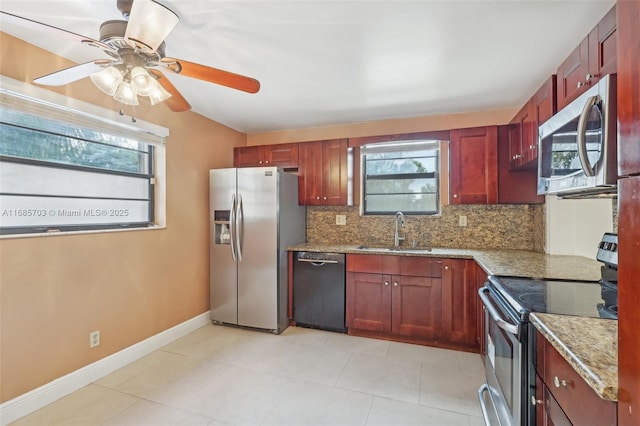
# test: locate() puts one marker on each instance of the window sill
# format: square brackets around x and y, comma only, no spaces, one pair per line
[92,231]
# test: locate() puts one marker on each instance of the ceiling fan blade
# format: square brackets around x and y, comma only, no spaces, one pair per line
[149,23]
[71,74]
[43,28]
[212,75]
[176,103]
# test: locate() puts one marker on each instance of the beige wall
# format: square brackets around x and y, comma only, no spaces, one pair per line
[386,127]
[129,285]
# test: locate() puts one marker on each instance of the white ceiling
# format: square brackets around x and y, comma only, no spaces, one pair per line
[335,62]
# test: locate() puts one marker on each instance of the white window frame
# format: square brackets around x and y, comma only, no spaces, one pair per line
[404,146]
[33,100]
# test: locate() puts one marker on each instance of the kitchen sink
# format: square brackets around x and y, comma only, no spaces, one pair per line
[392,249]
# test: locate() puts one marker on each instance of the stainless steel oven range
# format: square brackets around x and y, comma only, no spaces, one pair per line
[506,396]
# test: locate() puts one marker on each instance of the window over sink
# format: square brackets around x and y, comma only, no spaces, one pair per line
[401,176]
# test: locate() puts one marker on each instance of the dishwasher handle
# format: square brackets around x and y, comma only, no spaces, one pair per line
[317,262]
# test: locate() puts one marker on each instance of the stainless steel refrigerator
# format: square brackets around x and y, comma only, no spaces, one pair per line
[254,215]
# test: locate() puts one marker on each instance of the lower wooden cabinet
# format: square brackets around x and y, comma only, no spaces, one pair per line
[459,301]
[548,411]
[562,396]
[414,299]
[415,306]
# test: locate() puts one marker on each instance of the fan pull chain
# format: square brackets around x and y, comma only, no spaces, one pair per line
[121,112]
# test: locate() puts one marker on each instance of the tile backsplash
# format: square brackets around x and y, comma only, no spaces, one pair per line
[516,227]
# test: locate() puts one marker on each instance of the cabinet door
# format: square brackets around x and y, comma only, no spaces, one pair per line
[249,156]
[629,270]
[602,47]
[481,278]
[544,106]
[310,173]
[334,172]
[514,186]
[628,99]
[459,301]
[514,143]
[474,165]
[416,306]
[548,412]
[572,74]
[282,155]
[369,302]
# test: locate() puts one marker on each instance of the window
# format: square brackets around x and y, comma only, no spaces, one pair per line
[69,175]
[401,176]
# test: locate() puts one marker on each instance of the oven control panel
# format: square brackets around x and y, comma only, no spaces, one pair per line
[608,249]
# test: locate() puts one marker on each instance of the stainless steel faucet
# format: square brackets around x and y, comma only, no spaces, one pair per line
[400,222]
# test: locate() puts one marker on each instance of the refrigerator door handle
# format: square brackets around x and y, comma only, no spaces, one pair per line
[232,227]
[239,228]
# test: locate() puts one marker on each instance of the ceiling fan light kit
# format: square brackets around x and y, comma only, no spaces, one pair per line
[137,51]
[126,95]
[107,79]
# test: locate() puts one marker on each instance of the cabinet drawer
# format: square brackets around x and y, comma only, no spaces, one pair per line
[412,265]
[369,263]
[577,399]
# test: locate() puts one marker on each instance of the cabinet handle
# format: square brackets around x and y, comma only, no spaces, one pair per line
[455,195]
[446,268]
[580,84]
[535,401]
[557,382]
[266,162]
[324,198]
[386,283]
[260,162]
[317,198]
[588,77]
[395,284]
[532,147]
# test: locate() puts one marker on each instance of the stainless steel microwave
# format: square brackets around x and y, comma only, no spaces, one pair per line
[577,146]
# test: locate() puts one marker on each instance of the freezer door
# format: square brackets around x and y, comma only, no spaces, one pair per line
[258,248]
[223,273]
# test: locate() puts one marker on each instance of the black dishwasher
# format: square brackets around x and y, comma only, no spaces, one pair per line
[319,290]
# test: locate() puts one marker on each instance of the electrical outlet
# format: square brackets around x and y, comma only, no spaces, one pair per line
[462,221]
[94,339]
[341,219]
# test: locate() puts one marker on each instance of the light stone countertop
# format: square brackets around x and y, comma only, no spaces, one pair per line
[517,263]
[589,345]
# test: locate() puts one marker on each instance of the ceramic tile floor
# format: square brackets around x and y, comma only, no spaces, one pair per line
[221,375]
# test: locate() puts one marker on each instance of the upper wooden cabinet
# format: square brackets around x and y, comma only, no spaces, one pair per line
[323,169]
[594,57]
[517,186]
[474,165]
[280,155]
[523,129]
[628,88]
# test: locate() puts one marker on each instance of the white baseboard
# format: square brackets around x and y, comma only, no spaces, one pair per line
[46,394]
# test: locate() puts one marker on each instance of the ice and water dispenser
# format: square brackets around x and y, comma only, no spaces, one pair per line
[222,227]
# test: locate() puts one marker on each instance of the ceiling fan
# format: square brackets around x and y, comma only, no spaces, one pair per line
[138,62]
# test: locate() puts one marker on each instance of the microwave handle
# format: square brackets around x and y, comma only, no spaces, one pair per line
[582,136]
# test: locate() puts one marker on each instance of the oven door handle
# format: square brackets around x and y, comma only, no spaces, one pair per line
[495,315]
